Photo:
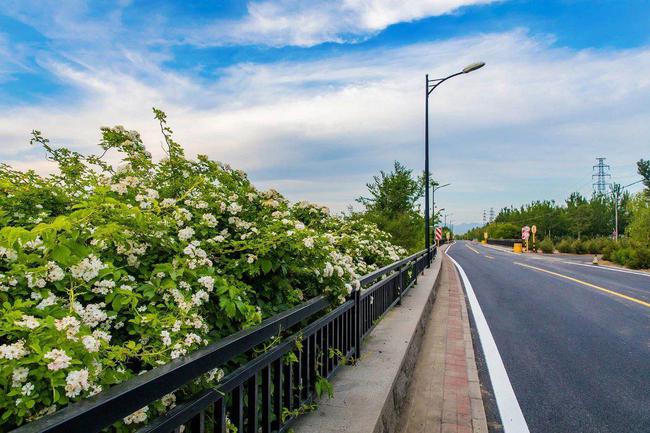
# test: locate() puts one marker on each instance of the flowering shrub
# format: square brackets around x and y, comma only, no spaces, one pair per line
[107,272]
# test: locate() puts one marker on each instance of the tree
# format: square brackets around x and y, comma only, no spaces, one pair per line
[392,204]
[393,193]
[643,168]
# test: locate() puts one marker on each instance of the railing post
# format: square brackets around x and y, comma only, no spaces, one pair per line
[357,324]
[415,272]
[400,284]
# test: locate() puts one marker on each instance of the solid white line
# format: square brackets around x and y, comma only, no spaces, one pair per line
[511,415]
[609,268]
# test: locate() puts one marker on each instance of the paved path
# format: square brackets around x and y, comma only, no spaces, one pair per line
[445,396]
[574,338]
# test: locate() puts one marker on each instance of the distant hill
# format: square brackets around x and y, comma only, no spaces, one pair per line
[463,228]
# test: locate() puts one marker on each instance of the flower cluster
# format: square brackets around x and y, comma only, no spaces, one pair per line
[108,272]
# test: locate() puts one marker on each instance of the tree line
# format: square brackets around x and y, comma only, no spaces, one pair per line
[584,224]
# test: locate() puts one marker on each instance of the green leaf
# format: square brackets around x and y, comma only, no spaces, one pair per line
[62,254]
[266,265]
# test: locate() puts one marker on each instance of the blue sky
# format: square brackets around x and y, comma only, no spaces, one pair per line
[313,98]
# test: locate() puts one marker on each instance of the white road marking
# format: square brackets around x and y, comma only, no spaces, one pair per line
[511,415]
[609,268]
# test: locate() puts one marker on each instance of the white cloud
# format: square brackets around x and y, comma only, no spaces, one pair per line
[526,126]
[300,23]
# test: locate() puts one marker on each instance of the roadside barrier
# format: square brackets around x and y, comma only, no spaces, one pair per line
[269,391]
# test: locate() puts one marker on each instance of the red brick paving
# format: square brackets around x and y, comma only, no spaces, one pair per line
[444,396]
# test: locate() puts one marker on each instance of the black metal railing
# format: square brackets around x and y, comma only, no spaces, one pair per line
[269,391]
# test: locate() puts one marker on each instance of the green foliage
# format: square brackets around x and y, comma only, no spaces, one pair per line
[630,254]
[639,228]
[393,193]
[547,246]
[323,386]
[392,206]
[495,230]
[578,247]
[565,246]
[106,272]
[643,167]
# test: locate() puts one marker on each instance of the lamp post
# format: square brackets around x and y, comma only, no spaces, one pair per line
[617,193]
[433,196]
[430,86]
[448,215]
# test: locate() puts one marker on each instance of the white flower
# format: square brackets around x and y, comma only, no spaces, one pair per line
[219,238]
[59,359]
[27,321]
[168,400]
[209,220]
[207,282]
[137,417]
[90,343]
[8,254]
[251,258]
[299,226]
[234,208]
[329,270]
[200,297]
[13,351]
[103,287]
[76,382]
[166,339]
[19,375]
[54,272]
[70,324]
[92,314]
[309,242]
[186,233]
[215,374]
[102,335]
[120,187]
[35,282]
[168,202]
[50,300]
[152,194]
[88,268]
[27,389]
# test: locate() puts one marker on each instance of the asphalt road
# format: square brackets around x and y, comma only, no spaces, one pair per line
[574,338]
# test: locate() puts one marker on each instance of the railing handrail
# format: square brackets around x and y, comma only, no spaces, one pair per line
[107,407]
[389,268]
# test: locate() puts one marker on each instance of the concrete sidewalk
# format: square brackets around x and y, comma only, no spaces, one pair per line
[445,394]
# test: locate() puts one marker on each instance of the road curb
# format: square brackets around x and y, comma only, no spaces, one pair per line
[368,396]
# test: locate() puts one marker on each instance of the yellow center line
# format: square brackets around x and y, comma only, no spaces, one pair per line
[593,286]
[476,251]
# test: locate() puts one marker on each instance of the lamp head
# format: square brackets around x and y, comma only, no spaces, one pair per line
[474,66]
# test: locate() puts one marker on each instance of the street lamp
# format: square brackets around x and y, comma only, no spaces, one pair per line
[447,215]
[616,195]
[430,87]
[433,195]
[436,213]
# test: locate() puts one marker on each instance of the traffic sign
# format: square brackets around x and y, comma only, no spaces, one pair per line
[438,233]
[533,229]
[525,233]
